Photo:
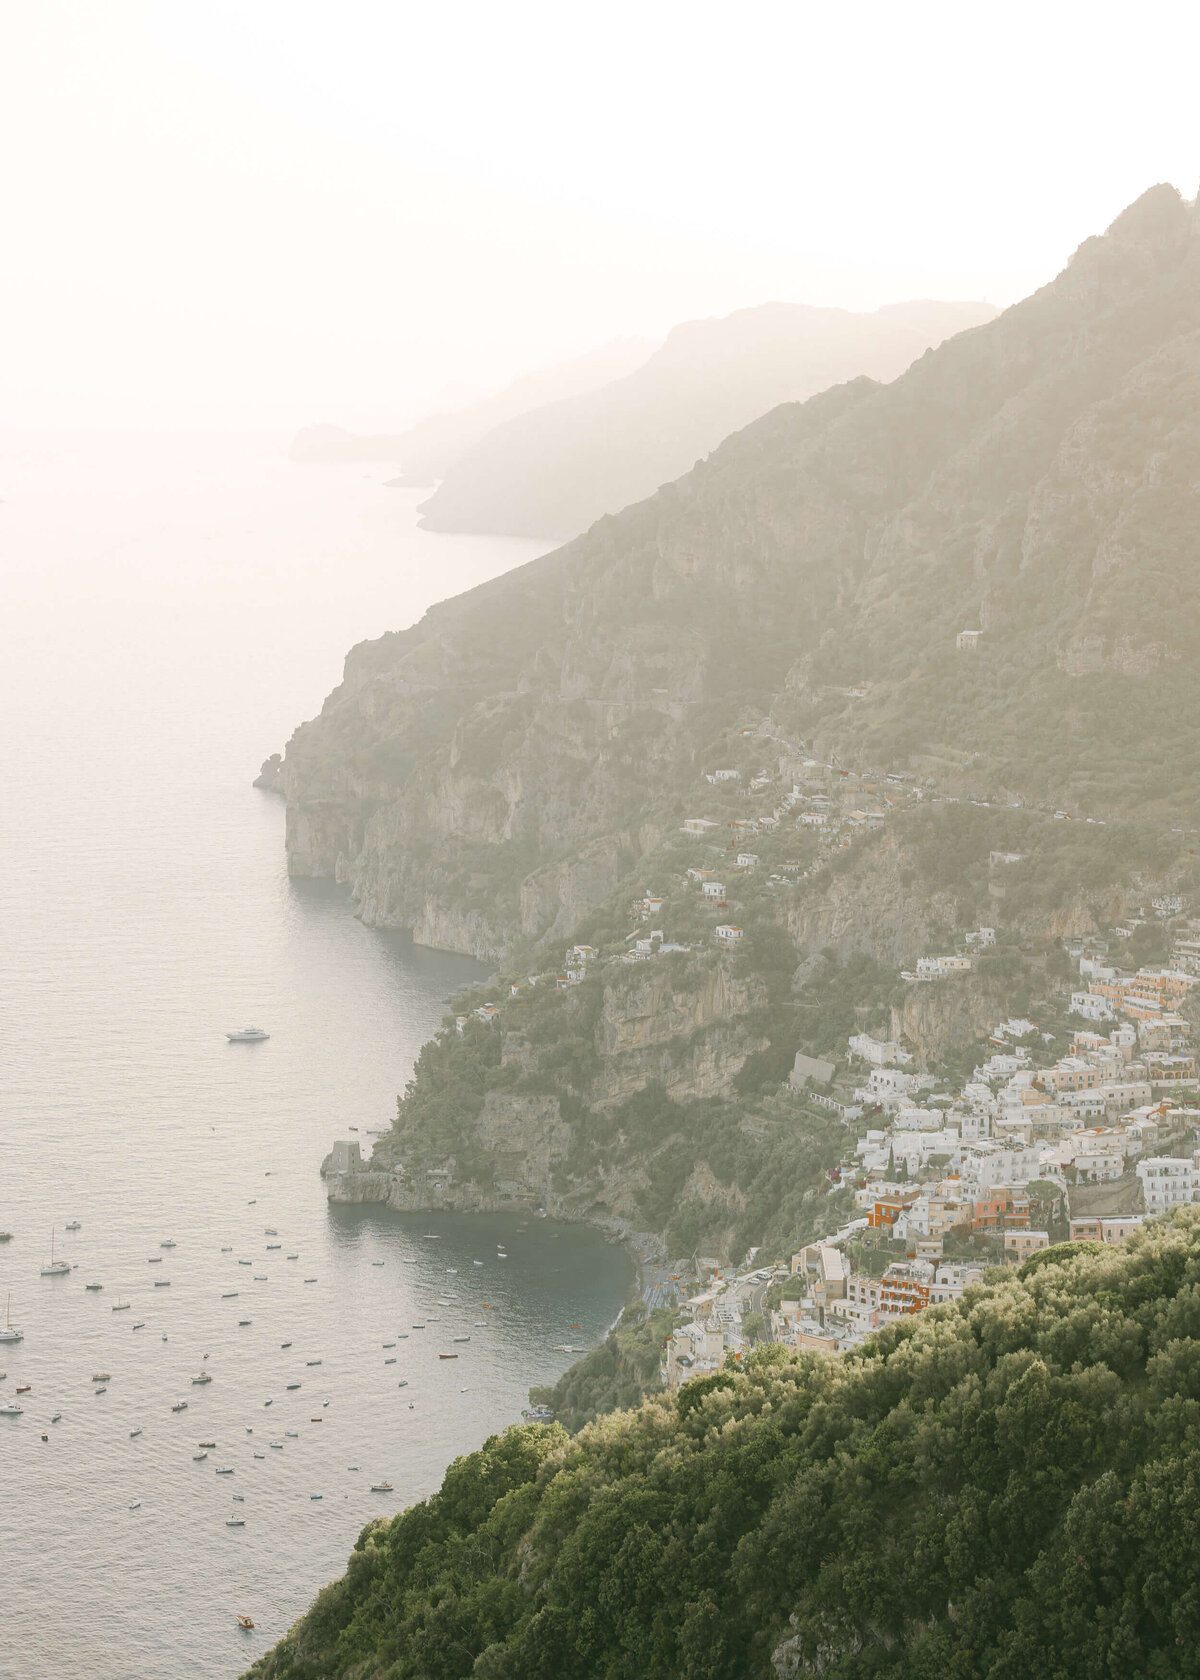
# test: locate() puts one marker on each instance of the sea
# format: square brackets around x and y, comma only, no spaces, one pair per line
[171,606]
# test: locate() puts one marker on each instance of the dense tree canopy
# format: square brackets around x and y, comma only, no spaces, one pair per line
[1004,1488]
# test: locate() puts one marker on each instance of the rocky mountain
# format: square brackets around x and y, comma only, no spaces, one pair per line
[552,471]
[489,776]
[1002,1487]
[429,449]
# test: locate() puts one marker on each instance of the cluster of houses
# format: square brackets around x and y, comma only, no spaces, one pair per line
[932,1168]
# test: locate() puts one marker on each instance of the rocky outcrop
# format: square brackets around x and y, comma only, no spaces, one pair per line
[486,776]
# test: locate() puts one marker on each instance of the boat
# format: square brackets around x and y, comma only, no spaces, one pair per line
[24,1388]
[270,1246]
[389,1344]
[242,1322]
[268,1402]
[418,1327]
[270,1231]
[245,1622]
[377,1262]
[447,1356]
[55,1268]
[11,1410]
[307,1361]
[168,1242]
[451,1271]
[390,1361]
[310,1280]
[481,1324]
[260,1455]
[317,1419]
[224,1469]
[179,1406]
[155,1260]
[477,1262]
[93,1286]
[460,1338]
[8,1334]
[403,1383]
[162,1283]
[202,1378]
[293,1385]
[196,1457]
[259,1277]
[135,1505]
[206,1443]
[121,1306]
[230,1295]
[381,1487]
[293,1257]
[5,1236]
[247,1035]
[227,1248]
[245,1262]
[316,1496]
[74,1225]
[235,1522]
[140,1325]
[277,1445]
[57,1418]
[101,1376]
[103,1389]
[292,1434]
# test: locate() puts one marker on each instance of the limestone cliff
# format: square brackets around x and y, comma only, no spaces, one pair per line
[489,775]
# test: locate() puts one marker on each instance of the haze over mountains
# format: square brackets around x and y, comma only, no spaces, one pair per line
[427,450]
[553,470]
[486,775]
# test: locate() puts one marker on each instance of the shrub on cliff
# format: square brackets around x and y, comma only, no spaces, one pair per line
[1003,1488]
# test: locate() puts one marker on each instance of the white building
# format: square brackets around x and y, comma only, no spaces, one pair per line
[880,1052]
[1091,1006]
[938,968]
[713,889]
[725,934]
[1169,1181]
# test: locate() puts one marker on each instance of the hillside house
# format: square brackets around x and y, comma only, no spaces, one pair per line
[967,641]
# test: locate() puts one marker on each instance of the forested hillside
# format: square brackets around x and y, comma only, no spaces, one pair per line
[996,1490]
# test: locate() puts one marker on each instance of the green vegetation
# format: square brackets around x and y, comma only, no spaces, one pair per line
[614,1376]
[1005,1488]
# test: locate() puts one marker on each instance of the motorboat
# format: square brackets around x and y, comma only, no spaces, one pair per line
[293,1385]
[391,1360]
[101,1376]
[307,1361]
[155,1260]
[168,1242]
[11,1410]
[276,1446]
[292,1434]
[293,1257]
[245,1622]
[179,1406]
[270,1246]
[135,1505]
[247,1035]
[235,1522]
[242,1322]
[224,1469]
[8,1334]
[196,1457]
[447,1356]
[162,1283]
[230,1295]
[132,1432]
[24,1388]
[93,1286]
[55,1268]
[259,1277]
[5,1236]
[460,1338]
[206,1443]
[270,1231]
[316,1496]
[103,1389]
[140,1325]
[202,1378]
[260,1455]
[73,1225]
[381,1487]
[285,1344]
[310,1280]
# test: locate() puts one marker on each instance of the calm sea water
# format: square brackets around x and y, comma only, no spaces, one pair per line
[167,614]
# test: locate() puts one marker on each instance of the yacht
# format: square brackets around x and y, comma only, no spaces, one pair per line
[202,1378]
[224,1469]
[11,1410]
[8,1334]
[101,1376]
[247,1035]
[55,1268]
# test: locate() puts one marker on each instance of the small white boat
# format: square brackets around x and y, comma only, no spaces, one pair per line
[55,1268]
[235,1522]
[390,1361]
[11,1409]
[179,1406]
[224,1469]
[227,1249]
[381,1487]
[316,1496]
[260,1455]
[202,1378]
[136,1505]
[247,1035]
[168,1242]
[73,1225]
[268,1402]
[451,1271]
[477,1262]
[277,1446]
[8,1334]
[460,1338]
[292,1434]
[197,1457]
[134,1432]
[259,1277]
[270,1231]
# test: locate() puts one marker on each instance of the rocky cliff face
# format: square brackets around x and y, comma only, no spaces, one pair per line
[486,776]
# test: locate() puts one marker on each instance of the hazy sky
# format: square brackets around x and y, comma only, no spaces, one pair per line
[275,211]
